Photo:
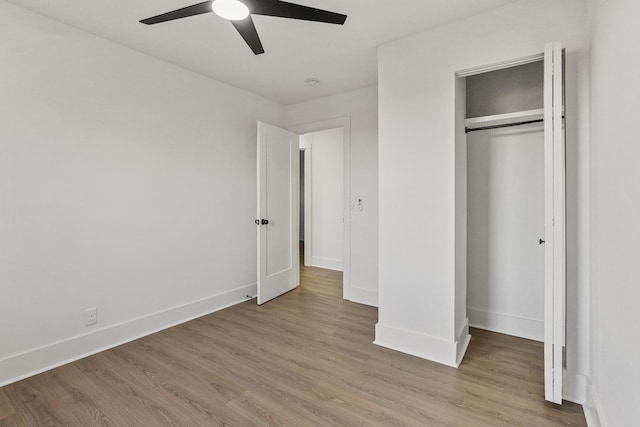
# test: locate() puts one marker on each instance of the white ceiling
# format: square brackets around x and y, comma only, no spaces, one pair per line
[342,57]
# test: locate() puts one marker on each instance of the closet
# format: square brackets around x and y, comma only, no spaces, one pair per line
[510,198]
[506,200]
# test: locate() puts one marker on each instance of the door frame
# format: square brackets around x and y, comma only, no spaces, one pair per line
[345,124]
[308,203]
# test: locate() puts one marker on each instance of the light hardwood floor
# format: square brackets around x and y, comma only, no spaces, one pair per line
[304,359]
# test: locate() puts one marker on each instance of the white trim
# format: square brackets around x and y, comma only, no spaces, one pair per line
[500,65]
[417,344]
[549,236]
[345,124]
[32,362]
[497,119]
[308,203]
[506,324]
[574,387]
[361,296]
[593,409]
[328,263]
[462,342]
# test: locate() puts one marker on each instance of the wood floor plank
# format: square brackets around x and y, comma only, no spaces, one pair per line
[305,358]
[362,406]
[142,399]
[183,398]
[88,402]
[37,404]
[12,421]
[6,408]
[195,364]
[288,409]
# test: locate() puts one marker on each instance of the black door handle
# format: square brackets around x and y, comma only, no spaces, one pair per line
[257,222]
[540,241]
[265,221]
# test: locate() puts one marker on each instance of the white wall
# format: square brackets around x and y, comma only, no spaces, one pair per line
[615,206]
[361,106]
[505,262]
[578,172]
[327,184]
[417,166]
[518,88]
[126,184]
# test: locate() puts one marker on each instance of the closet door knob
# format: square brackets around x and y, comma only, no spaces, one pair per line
[540,241]
[265,221]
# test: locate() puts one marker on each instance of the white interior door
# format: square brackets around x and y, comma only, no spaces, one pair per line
[555,245]
[278,210]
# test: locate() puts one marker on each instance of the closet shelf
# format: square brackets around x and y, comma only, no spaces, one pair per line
[500,119]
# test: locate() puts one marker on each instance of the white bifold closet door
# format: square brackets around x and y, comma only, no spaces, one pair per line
[555,214]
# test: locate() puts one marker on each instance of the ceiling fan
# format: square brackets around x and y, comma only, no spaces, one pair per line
[239,12]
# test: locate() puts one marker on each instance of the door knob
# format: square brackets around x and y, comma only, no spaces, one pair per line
[265,221]
[540,241]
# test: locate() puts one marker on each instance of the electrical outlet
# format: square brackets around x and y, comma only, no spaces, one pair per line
[90,316]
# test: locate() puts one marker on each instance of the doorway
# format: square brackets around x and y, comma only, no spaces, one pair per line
[499,91]
[505,202]
[344,125]
[322,199]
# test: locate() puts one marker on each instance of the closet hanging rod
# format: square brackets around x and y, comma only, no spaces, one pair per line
[505,125]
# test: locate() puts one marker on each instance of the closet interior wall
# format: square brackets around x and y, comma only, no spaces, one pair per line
[505,203]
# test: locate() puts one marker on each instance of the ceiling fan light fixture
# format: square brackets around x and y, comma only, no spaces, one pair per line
[233,10]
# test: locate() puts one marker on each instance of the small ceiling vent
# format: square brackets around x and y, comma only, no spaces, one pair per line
[312,81]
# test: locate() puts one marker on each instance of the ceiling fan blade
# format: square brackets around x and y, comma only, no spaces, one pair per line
[248,31]
[196,9]
[285,9]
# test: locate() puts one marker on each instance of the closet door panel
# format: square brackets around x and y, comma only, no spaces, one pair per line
[555,217]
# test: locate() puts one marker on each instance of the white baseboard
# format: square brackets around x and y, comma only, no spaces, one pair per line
[360,296]
[574,387]
[506,324]
[462,342]
[328,263]
[416,344]
[32,362]
[593,408]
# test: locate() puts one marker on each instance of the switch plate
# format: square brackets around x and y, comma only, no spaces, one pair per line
[90,316]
